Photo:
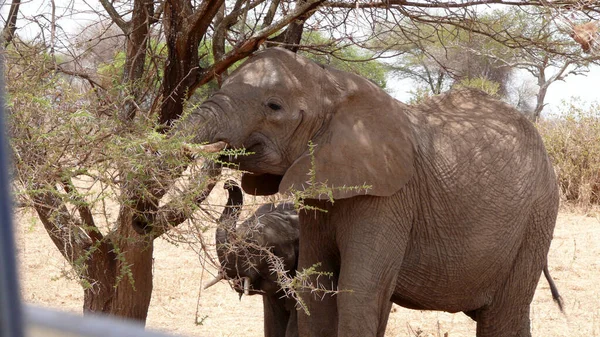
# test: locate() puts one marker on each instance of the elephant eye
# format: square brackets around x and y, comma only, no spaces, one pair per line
[274,106]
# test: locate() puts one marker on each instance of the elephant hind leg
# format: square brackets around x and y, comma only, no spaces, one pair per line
[507,315]
[508,312]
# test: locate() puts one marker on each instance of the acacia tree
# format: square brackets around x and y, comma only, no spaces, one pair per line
[545,67]
[87,133]
[451,57]
[540,40]
[65,136]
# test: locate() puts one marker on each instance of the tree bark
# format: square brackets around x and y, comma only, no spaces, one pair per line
[292,36]
[120,283]
[184,31]
[135,59]
[8,33]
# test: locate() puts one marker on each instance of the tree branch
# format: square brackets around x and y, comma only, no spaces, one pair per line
[202,17]
[233,17]
[177,210]
[440,4]
[559,74]
[84,76]
[251,44]
[117,19]
[135,59]
[8,32]
[292,35]
[271,13]
[89,227]
[157,13]
[64,230]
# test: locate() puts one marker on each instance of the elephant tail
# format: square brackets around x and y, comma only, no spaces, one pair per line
[555,295]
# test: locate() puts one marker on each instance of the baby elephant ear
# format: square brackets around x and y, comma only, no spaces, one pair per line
[368,143]
[260,184]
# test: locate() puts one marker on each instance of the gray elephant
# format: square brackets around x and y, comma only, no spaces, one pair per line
[460,203]
[242,252]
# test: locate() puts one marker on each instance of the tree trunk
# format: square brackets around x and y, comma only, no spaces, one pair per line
[183,31]
[539,106]
[136,56]
[120,270]
[101,272]
[115,269]
[541,95]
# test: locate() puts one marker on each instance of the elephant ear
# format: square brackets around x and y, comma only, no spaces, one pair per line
[260,184]
[369,141]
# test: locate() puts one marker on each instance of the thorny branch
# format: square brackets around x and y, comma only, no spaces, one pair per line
[175,211]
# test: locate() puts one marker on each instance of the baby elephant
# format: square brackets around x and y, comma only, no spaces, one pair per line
[246,254]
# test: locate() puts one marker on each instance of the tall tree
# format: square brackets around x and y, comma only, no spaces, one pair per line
[114,263]
[536,40]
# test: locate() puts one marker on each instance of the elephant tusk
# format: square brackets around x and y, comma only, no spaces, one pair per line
[246,285]
[216,280]
[208,148]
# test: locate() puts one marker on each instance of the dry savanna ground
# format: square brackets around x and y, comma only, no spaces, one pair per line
[178,301]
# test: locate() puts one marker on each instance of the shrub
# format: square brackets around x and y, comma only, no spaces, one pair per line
[573,142]
[490,87]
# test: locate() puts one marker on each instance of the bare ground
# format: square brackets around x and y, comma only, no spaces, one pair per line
[178,301]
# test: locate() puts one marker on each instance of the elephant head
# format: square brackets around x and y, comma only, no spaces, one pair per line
[277,102]
[245,252]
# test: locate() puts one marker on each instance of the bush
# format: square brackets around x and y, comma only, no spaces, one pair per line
[490,87]
[573,142]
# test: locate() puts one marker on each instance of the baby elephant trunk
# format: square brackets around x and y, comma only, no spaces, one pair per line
[226,226]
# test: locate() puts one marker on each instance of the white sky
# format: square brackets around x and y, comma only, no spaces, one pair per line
[586,87]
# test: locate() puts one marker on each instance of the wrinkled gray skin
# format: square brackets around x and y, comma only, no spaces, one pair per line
[461,206]
[241,252]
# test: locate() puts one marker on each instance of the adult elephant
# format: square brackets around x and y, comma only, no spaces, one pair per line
[247,252]
[459,211]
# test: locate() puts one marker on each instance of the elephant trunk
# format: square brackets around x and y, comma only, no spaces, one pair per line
[216,122]
[200,126]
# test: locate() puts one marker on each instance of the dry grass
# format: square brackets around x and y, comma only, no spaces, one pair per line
[572,144]
[574,264]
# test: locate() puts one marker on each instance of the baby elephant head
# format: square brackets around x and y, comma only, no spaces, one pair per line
[249,252]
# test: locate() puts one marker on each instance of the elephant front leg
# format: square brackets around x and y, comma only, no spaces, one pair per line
[372,248]
[364,301]
[292,326]
[318,317]
[317,246]
[277,316]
